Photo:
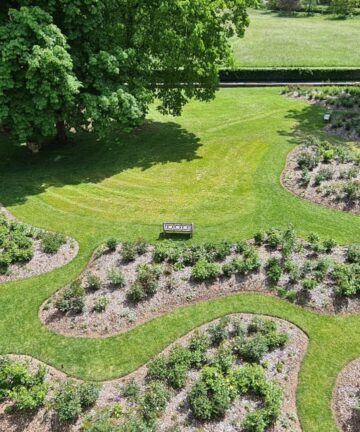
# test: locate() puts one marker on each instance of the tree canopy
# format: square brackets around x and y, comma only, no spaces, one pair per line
[87,63]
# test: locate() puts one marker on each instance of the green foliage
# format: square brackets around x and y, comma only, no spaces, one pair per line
[39,85]
[148,276]
[101,304]
[210,396]
[111,244]
[116,277]
[218,332]
[198,346]
[274,270]
[94,63]
[26,390]
[131,390]
[93,282]
[172,369]
[136,293]
[204,270]
[70,400]
[155,400]
[353,253]
[347,279]
[72,299]
[128,251]
[51,242]
[343,8]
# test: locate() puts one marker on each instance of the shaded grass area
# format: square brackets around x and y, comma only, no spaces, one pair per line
[273,40]
[218,166]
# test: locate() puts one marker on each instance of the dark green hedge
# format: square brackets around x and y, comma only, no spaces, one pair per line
[289,75]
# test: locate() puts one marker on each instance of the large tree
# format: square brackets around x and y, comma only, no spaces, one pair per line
[88,63]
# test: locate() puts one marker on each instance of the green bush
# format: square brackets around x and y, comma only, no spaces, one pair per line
[324,174]
[210,396]
[309,284]
[155,400]
[66,402]
[131,390]
[351,191]
[224,359]
[141,246]
[274,270]
[70,400]
[93,282]
[148,276]
[198,346]
[28,399]
[218,332]
[88,394]
[116,277]
[101,304]
[204,270]
[253,349]
[136,293]
[5,262]
[52,242]
[111,244]
[128,251]
[27,391]
[353,253]
[167,251]
[72,299]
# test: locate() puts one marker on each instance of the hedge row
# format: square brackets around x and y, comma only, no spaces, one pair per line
[290,75]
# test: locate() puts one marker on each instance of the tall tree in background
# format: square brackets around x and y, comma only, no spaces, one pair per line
[82,63]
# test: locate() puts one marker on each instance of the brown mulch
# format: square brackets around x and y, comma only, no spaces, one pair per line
[290,356]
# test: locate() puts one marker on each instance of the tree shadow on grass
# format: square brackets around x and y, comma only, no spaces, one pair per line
[309,121]
[90,160]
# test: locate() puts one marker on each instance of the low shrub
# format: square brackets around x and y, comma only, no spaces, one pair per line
[148,276]
[52,242]
[93,282]
[111,244]
[155,400]
[141,246]
[128,251]
[253,349]
[210,396]
[309,284]
[218,332]
[353,253]
[101,304]
[72,299]
[70,400]
[136,293]
[116,277]
[274,270]
[198,346]
[204,270]
[131,390]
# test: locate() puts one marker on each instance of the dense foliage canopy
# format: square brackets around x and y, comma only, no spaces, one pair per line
[86,63]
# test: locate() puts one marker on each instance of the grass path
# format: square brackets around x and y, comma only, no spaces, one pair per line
[219,166]
[282,41]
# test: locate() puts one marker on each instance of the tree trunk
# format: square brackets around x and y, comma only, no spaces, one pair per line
[61,137]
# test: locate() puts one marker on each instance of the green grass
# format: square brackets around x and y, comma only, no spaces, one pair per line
[317,41]
[218,166]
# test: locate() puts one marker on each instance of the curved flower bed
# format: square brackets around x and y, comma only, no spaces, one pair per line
[26,251]
[130,283]
[261,356]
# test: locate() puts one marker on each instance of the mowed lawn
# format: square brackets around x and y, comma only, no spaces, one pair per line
[310,41]
[217,166]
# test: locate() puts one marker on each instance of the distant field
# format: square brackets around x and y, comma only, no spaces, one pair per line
[272,40]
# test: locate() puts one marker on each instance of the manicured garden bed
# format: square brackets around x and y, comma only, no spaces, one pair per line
[325,173]
[26,251]
[125,285]
[254,360]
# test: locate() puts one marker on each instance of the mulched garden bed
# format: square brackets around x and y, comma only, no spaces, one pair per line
[329,192]
[305,276]
[280,366]
[41,261]
[346,398]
